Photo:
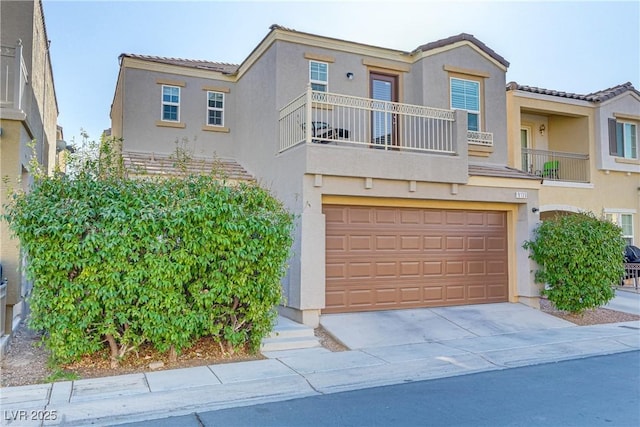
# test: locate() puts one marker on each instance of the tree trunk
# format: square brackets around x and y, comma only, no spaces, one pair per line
[114,350]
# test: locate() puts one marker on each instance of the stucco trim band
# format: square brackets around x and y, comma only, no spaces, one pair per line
[178,125]
[171,82]
[215,129]
[319,57]
[467,71]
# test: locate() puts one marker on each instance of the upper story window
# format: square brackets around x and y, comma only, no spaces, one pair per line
[465,95]
[623,139]
[215,108]
[625,221]
[319,75]
[171,103]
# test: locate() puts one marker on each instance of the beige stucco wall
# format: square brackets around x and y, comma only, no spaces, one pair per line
[275,73]
[138,118]
[480,193]
[13,162]
[35,121]
[579,127]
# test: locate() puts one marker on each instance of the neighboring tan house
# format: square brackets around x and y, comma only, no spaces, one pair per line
[585,147]
[394,162]
[28,112]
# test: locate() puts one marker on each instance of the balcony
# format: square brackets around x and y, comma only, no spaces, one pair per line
[14,78]
[340,120]
[556,165]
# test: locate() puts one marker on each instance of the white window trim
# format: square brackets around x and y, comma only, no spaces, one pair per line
[319,82]
[478,112]
[163,103]
[215,108]
[624,148]
[620,212]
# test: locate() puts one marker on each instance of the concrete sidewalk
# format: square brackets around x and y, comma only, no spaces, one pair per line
[299,373]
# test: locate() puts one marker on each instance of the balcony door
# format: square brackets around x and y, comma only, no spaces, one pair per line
[525,144]
[384,123]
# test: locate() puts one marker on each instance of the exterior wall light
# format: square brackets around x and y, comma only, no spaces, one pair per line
[350,75]
[542,129]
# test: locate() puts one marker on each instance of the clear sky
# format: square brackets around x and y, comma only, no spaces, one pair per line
[570,46]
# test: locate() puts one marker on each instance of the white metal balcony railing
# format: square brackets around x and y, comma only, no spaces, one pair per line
[322,117]
[556,165]
[14,77]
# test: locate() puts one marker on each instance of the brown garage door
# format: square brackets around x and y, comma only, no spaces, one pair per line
[380,258]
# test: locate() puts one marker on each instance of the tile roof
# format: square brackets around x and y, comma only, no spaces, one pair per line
[599,96]
[153,164]
[464,37]
[499,171]
[221,67]
[432,45]
[233,68]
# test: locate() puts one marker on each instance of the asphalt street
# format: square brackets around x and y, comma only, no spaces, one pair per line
[595,391]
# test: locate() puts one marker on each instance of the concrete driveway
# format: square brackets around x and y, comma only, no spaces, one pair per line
[627,300]
[428,325]
[399,327]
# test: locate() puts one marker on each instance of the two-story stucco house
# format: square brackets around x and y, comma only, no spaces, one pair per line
[28,112]
[395,162]
[585,147]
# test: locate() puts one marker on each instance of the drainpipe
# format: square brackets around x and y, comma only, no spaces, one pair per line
[44,105]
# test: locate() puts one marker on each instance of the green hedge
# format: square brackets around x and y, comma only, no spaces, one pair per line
[579,257]
[166,262]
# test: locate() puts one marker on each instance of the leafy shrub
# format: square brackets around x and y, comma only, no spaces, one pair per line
[162,261]
[579,257]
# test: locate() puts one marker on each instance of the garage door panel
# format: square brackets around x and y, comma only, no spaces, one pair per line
[432,268]
[410,243]
[411,295]
[360,243]
[454,218]
[386,296]
[496,268]
[454,243]
[335,215]
[455,293]
[476,243]
[336,270]
[433,243]
[497,219]
[359,270]
[454,268]
[476,268]
[381,258]
[385,216]
[475,292]
[386,269]
[497,291]
[410,217]
[360,297]
[433,293]
[386,243]
[336,243]
[409,269]
[432,217]
[356,215]
[496,244]
[336,298]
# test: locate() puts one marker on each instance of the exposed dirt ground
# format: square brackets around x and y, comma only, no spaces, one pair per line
[26,362]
